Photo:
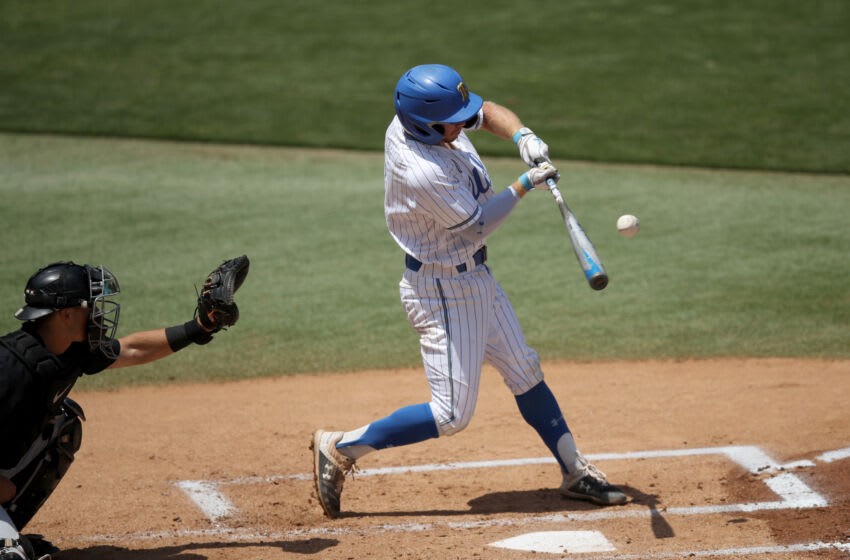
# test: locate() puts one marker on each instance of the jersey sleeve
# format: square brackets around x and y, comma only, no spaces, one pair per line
[93,361]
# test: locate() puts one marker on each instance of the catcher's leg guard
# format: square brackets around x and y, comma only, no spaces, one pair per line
[37,480]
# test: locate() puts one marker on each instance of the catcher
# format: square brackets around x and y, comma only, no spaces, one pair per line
[69,323]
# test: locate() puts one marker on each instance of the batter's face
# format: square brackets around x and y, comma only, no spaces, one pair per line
[452,132]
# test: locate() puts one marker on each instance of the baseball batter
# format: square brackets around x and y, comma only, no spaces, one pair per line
[440,206]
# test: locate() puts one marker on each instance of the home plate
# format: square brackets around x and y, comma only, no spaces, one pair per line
[558,542]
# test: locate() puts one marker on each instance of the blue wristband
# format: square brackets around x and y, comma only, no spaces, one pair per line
[525,182]
[520,133]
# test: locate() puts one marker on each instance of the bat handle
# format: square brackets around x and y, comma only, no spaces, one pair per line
[550,182]
[553,188]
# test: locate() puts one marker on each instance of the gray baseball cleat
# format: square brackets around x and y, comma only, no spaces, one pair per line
[591,485]
[10,549]
[329,470]
[22,549]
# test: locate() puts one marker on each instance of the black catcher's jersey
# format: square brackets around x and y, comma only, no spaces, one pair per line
[30,397]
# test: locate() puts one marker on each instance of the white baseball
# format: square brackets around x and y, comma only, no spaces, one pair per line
[628,225]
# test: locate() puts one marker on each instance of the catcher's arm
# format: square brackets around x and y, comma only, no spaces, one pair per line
[148,346]
[215,311]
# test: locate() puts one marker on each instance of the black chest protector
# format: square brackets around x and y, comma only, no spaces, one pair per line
[54,378]
[60,425]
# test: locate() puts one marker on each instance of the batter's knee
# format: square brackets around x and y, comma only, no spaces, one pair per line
[450,421]
[526,381]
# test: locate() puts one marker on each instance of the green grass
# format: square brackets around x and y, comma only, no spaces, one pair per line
[758,84]
[726,264]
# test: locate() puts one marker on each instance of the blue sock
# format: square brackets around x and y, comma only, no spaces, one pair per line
[405,426]
[540,409]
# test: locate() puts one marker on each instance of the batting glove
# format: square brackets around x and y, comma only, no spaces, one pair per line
[531,148]
[537,177]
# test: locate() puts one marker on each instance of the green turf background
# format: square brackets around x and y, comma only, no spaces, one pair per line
[756,84]
[726,264]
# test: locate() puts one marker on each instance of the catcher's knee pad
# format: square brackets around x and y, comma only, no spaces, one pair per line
[36,481]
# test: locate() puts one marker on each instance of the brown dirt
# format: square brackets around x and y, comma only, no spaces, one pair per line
[120,500]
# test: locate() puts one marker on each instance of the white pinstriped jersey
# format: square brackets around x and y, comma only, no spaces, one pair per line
[431,193]
[464,319]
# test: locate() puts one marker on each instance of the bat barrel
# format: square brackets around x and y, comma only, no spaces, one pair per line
[589,261]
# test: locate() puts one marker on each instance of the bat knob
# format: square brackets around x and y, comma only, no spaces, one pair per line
[599,282]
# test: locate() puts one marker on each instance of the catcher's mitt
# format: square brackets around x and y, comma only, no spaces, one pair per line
[216,308]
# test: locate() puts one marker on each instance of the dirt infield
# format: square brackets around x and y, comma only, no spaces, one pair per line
[729,459]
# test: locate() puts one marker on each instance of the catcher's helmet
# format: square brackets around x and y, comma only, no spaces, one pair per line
[65,284]
[56,286]
[430,95]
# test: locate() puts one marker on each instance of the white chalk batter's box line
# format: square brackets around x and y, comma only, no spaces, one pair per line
[793,493]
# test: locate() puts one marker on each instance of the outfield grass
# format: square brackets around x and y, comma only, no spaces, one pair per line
[726,264]
[722,83]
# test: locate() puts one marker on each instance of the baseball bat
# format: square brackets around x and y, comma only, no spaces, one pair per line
[589,261]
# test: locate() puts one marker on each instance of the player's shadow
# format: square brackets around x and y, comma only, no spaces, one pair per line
[541,501]
[660,527]
[192,551]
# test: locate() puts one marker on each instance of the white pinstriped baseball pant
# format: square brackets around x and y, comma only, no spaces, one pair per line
[465,320]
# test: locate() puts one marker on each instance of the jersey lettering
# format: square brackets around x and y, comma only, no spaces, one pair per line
[480,186]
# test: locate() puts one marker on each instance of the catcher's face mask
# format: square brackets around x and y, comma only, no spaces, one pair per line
[103,312]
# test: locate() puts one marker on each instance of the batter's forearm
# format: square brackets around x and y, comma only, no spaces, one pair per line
[493,214]
[500,120]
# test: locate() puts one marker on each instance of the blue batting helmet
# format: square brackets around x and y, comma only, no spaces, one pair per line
[430,95]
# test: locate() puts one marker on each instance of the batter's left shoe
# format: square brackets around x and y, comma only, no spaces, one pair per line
[329,470]
[591,485]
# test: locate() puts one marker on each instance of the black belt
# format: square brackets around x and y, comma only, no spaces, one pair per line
[480,257]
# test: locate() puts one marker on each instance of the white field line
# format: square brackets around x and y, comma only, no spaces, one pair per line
[836,455]
[733,552]
[749,457]
[792,491]
[208,498]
